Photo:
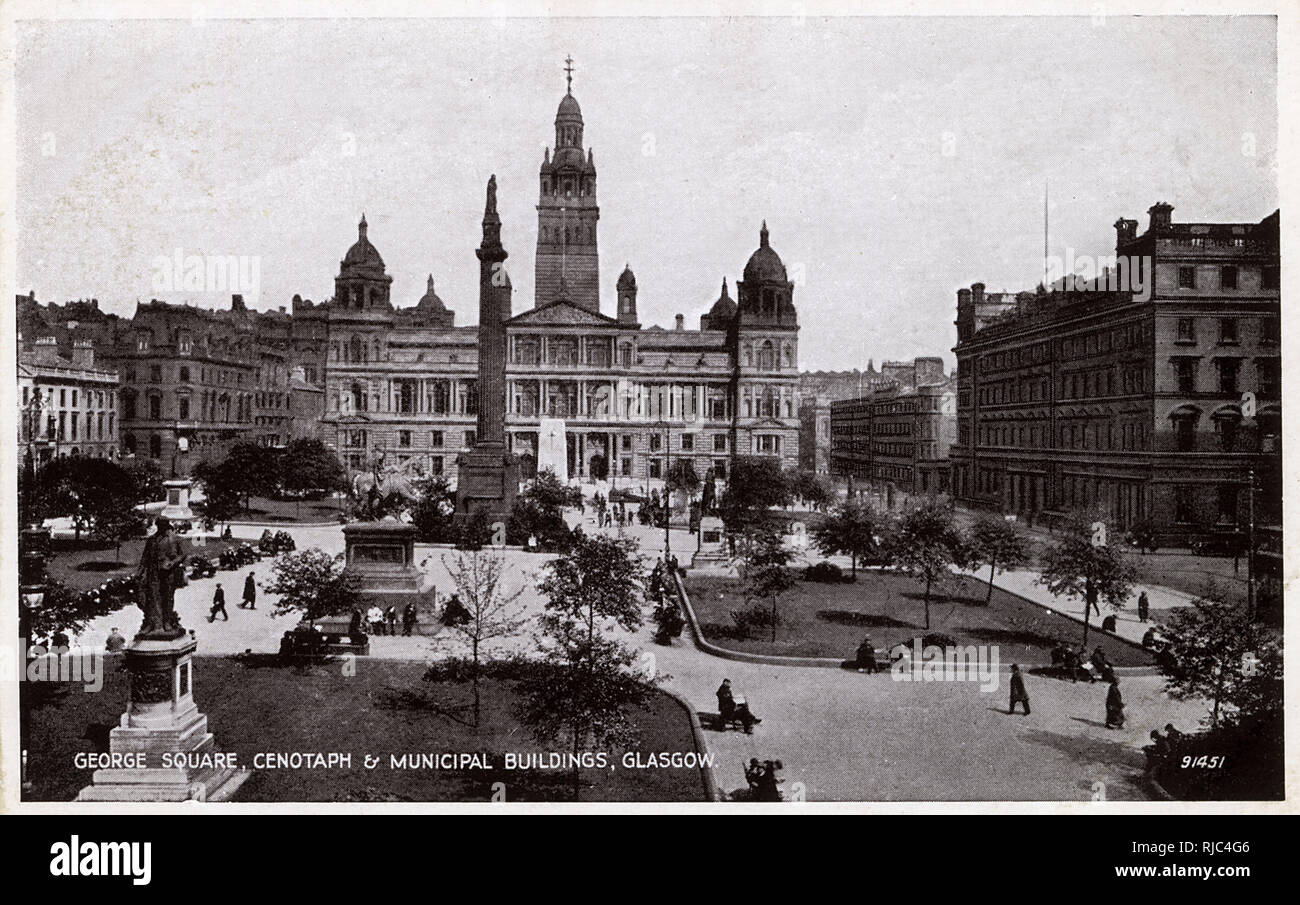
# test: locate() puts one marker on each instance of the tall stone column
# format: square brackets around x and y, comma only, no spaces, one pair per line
[488,475]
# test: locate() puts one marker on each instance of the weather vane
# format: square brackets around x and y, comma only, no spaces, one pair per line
[568,69]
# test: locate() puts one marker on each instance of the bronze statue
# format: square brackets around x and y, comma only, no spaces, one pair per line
[161,570]
[382,491]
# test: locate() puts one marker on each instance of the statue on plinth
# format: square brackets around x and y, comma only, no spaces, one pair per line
[382,492]
[160,572]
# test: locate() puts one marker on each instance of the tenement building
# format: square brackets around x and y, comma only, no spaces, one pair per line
[193,380]
[613,396]
[898,435]
[67,406]
[1152,394]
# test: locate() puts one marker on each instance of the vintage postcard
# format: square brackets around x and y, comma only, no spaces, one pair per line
[689,409]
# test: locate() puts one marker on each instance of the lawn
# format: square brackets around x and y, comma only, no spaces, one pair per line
[265,509]
[86,564]
[257,705]
[829,620]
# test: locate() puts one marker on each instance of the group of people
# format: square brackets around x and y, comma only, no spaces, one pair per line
[1070,659]
[1163,747]
[1076,663]
[249,601]
[764,784]
[608,513]
[382,622]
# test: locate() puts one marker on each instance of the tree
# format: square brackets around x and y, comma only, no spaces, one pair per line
[433,514]
[1222,655]
[87,489]
[997,543]
[117,521]
[309,466]
[549,493]
[61,610]
[812,490]
[854,529]
[313,583]
[493,612]
[927,544]
[247,470]
[584,687]
[756,485]
[1082,564]
[146,481]
[766,572]
[220,502]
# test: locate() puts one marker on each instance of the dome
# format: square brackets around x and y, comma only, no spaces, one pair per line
[765,264]
[569,108]
[362,255]
[724,308]
[627,279]
[430,302]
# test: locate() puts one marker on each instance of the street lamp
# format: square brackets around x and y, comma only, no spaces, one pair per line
[667,470]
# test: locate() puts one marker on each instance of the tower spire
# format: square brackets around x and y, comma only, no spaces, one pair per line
[568,73]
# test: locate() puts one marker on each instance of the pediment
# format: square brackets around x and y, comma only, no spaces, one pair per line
[561,313]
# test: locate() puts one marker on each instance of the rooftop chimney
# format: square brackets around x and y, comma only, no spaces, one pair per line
[1161,215]
[681,322]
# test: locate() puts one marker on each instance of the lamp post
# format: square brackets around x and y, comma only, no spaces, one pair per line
[1250,540]
[667,470]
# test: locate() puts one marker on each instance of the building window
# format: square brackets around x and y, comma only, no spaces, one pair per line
[656,468]
[1185,433]
[627,442]
[183,408]
[769,443]
[155,374]
[1268,376]
[1186,330]
[626,467]
[1184,508]
[155,408]
[404,439]
[1186,277]
[1228,330]
[1227,428]
[1185,368]
[435,440]
[1228,277]
[719,442]
[1269,277]
[470,437]
[656,443]
[1227,504]
[688,442]
[1229,368]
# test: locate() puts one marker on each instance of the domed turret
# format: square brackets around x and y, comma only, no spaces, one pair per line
[362,259]
[431,310]
[765,264]
[627,279]
[723,310]
[766,293]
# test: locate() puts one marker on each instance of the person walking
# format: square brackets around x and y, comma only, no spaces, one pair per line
[1114,706]
[408,619]
[390,617]
[1144,607]
[1018,693]
[218,605]
[250,593]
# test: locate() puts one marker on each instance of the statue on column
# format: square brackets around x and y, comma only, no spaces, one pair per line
[709,495]
[160,572]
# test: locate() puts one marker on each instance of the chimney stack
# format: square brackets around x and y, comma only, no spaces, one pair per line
[681,318]
[1161,215]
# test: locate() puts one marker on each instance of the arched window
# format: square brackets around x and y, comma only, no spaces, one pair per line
[749,355]
[769,408]
[155,446]
[767,356]
[358,398]
[358,351]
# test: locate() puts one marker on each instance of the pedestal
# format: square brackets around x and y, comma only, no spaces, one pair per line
[712,547]
[178,501]
[380,557]
[162,723]
[487,478]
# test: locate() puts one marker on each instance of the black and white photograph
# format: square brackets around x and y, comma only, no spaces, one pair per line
[694,409]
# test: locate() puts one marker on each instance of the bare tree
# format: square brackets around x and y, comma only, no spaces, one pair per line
[493,613]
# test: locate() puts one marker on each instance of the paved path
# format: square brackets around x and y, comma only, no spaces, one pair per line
[841,735]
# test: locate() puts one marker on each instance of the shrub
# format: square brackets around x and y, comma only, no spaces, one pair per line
[755,619]
[824,572]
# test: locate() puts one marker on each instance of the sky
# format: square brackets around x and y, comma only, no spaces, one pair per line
[894,159]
